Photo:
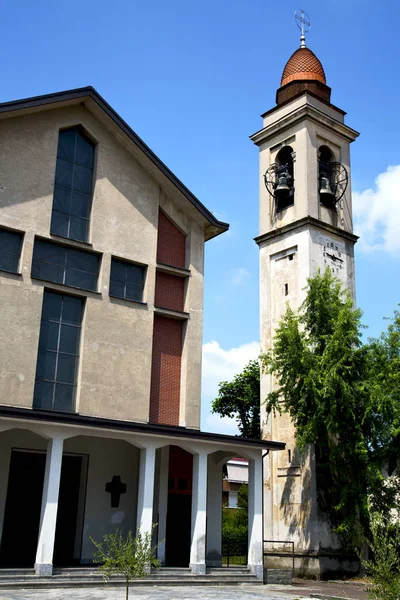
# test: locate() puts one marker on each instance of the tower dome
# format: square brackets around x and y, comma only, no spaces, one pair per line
[303,73]
[303,64]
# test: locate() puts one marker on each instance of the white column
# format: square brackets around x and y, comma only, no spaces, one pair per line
[146,490]
[48,517]
[163,503]
[214,513]
[199,514]
[255,559]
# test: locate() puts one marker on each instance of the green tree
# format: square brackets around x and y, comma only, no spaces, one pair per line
[329,383]
[240,398]
[132,557]
[384,377]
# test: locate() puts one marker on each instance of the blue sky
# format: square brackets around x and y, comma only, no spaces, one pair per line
[192,79]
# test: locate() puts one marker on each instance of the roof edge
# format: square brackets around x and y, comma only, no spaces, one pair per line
[133,427]
[217,227]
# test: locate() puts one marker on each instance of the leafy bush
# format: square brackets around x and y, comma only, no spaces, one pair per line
[132,557]
[384,567]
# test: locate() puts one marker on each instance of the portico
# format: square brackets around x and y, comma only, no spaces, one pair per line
[140,460]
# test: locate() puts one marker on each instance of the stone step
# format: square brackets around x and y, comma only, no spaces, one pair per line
[61,582]
[91,577]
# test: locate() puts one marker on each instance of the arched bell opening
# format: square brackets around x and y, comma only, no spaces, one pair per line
[284,182]
[279,179]
[325,177]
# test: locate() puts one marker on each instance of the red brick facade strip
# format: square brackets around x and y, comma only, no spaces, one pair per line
[166,371]
[171,243]
[170,291]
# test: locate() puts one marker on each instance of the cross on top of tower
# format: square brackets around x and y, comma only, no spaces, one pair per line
[303,23]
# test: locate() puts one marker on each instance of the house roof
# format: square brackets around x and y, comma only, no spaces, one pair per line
[92,99]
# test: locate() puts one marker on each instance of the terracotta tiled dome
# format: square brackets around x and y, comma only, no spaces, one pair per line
[303,64]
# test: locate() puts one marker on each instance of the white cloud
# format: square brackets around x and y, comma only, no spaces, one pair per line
[377,213]
[239,276]
[221,365]
[217,424]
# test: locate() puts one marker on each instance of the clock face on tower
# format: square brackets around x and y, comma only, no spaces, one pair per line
[333,255]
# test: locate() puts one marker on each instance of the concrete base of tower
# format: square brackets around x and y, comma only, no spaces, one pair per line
[325,565]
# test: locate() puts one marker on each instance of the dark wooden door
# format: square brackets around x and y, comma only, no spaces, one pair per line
[177,542]
[67,514]
[22,509]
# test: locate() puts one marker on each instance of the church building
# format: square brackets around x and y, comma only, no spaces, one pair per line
[305,225]
[101,308]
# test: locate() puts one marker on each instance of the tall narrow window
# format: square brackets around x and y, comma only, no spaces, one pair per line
[58,353]
[73,186]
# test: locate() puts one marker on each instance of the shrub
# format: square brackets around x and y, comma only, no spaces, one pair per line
[132,557]
[384,567]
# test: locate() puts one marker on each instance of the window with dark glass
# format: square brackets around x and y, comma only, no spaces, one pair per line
[58,354]
[68,266]
[127,280]
[10,250]
[73,185]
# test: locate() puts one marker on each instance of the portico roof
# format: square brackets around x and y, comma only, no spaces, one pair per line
[165,431]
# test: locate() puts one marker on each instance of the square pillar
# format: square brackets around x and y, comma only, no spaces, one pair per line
[255,559]
[146,490]
[162,503]
[199,514]
[214,513]
[48,516]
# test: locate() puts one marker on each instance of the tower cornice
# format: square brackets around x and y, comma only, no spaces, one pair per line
[308,111]
[303,224]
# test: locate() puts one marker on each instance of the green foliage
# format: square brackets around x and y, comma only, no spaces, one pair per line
[384,568]
[132,557]
[235,525]
[240,398]
[340,398]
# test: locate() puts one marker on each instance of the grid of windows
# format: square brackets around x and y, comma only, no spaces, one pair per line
[59,264]
[73,185]
[58,353]
[10,250]
[127,280]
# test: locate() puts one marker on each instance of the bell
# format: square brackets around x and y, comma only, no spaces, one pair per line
[282,189]
[325,190]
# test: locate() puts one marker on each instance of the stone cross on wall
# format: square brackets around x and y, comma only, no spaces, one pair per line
[115,487]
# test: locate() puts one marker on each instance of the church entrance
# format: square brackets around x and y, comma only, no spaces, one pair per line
[179,512]
[23,507]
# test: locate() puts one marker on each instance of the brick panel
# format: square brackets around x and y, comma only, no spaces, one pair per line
[171,243]
[166,371]
[180,471]
[169,291]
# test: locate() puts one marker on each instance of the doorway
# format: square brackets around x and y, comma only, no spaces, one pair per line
[23,508]
[179,509]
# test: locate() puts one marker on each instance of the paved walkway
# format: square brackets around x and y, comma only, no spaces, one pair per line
[303,591]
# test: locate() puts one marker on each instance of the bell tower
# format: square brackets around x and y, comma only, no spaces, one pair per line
[305,225]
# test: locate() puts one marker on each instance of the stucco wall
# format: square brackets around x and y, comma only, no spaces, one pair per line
[115,361]
[106,458]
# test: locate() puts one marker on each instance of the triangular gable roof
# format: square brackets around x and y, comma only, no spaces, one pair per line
[89,96]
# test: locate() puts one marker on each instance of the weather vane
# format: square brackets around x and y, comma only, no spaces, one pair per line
[303,23]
